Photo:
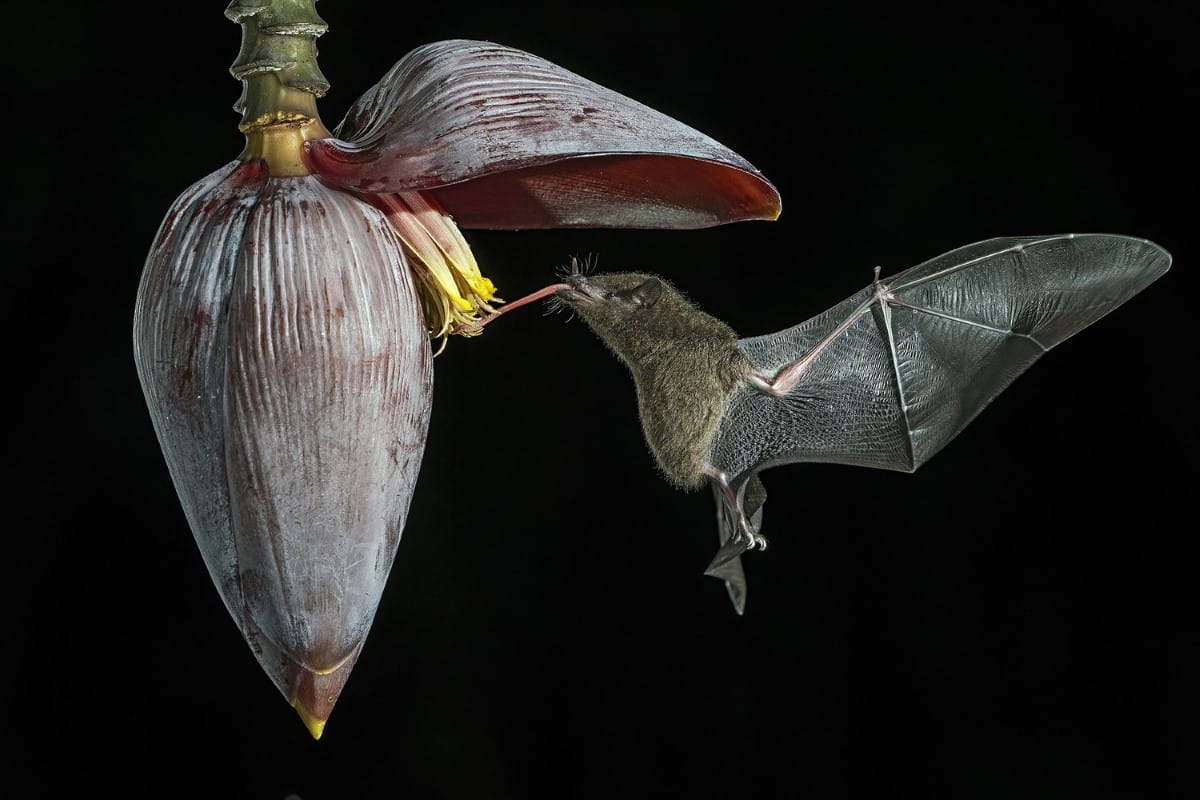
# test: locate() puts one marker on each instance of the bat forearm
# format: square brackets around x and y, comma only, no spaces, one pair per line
[787,378]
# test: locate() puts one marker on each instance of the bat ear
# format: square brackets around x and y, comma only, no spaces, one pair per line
[648,293]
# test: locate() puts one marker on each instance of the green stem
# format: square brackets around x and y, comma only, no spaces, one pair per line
[281,81]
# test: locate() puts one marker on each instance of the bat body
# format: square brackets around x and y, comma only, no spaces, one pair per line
[884,379]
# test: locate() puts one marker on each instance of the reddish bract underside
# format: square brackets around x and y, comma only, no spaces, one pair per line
[504,139]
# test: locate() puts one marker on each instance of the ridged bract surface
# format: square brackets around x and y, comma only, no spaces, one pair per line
[505,139]
[287,371]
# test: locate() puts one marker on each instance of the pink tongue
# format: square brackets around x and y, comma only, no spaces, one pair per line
[529,298]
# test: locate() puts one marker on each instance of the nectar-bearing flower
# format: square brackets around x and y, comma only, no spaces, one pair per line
[283,324]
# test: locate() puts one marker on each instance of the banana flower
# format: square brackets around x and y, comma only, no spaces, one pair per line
[283,323]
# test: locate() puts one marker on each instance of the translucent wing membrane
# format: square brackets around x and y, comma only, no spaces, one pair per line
[923,358]
[900,368]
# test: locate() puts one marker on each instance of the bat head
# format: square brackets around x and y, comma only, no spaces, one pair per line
[637,313]
[613,303]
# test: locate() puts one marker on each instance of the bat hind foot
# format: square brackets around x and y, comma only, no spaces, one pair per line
[735,524]
[752,538]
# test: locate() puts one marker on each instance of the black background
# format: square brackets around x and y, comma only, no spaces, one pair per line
[1015,620]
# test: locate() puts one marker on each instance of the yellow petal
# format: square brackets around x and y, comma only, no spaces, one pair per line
[453,291]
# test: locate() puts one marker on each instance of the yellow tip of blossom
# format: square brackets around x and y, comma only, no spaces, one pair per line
[315,726]
[483,287]
[453,291]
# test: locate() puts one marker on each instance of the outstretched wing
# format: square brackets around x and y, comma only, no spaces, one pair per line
[901,367]
[930,348]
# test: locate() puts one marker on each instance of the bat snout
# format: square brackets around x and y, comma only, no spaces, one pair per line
[576,290]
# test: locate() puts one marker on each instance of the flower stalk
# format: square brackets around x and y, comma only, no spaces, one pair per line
[277,65]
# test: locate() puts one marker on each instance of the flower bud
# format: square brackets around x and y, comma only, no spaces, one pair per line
[282,351]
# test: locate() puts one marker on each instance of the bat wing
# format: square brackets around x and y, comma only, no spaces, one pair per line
[893,373]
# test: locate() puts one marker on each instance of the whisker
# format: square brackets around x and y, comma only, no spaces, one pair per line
[578,267]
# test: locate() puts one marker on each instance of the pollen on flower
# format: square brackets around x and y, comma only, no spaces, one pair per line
[449,313]
[483,287]
[453,292]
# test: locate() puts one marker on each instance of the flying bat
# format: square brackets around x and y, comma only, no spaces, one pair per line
[884,379]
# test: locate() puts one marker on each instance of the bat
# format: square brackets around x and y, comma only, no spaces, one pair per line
[884,379]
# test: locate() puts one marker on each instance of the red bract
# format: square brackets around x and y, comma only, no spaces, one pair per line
[504,139]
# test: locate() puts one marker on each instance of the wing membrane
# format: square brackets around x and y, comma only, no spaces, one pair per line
[930,348]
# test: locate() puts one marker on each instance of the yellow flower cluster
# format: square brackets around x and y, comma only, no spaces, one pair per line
[453,292]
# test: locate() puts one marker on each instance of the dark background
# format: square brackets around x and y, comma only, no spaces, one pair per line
[1015,620]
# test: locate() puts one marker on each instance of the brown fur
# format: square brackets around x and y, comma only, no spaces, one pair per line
[684,362]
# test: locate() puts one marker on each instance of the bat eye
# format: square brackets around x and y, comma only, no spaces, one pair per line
[610,294]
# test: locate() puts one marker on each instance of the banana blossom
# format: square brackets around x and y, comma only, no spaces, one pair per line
[283,323]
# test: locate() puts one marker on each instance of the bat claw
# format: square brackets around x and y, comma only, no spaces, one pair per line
[754,540]
[746,533]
